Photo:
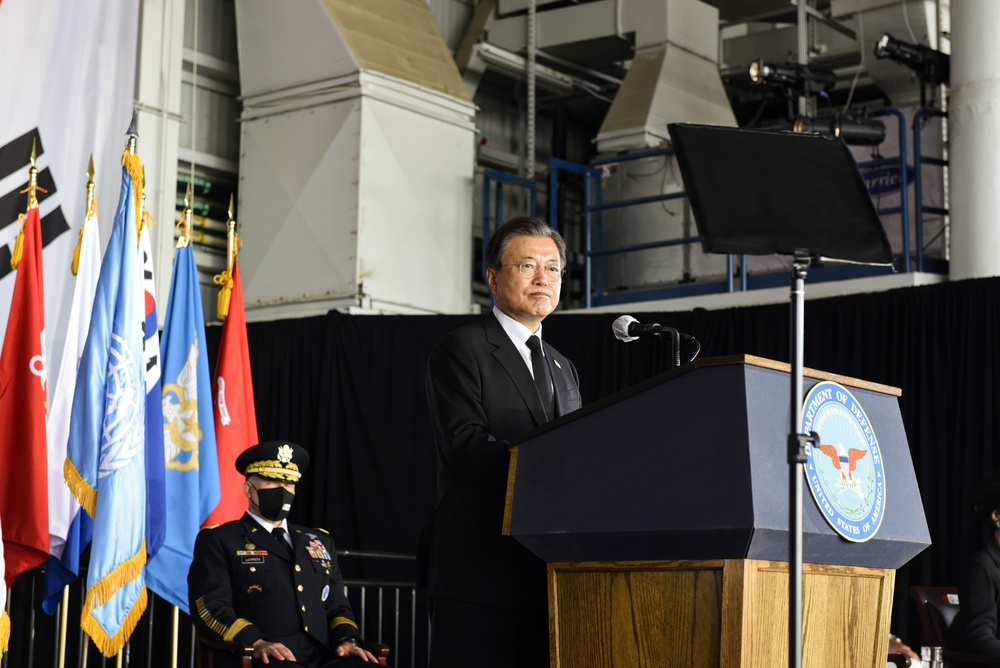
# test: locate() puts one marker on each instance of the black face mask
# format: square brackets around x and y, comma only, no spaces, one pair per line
[274,503]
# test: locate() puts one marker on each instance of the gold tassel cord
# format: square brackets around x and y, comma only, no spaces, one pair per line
[4,631]
[225,279]
[15,257]
[32,191]
[85,495]
[75,267]
[147,220]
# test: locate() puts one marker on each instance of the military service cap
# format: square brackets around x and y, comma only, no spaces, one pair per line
[277,460]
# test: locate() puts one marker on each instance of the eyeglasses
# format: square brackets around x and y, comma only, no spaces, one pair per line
[552,272]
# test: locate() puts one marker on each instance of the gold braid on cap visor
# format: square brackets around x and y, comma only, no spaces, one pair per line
[272,468]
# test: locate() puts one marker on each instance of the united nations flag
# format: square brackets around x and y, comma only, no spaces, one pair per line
[106,463]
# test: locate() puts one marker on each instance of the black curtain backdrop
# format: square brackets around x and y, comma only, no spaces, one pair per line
[351,389]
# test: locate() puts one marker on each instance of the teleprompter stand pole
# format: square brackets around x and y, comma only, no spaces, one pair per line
[796,459]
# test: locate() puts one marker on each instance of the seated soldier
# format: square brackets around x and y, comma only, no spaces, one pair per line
[276,585]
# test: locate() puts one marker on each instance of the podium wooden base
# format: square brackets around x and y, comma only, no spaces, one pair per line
[724,613]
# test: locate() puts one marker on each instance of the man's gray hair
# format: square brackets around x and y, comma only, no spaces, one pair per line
[520,226]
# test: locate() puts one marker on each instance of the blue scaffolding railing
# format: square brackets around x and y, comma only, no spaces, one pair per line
[921,160]
[595,292]
[493,185]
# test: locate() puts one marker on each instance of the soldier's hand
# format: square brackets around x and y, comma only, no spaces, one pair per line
[348,649]
[264,651]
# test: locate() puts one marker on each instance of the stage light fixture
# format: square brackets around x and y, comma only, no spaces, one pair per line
[933,66]
[805,79]
[854,131]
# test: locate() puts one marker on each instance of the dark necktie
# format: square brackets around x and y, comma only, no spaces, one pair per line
[279,534]
[543,379]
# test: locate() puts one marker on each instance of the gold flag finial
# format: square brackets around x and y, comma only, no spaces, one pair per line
[133,133]
[91,210]
[132,164]
[33,187]
[91,214]
[33,176]
[31,190]
[184,238]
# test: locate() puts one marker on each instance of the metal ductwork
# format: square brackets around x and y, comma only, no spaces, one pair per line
[357,159]
[673,47]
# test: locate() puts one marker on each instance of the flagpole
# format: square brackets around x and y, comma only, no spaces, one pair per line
[175,632]
[184,239]
[230,237]
[63,623]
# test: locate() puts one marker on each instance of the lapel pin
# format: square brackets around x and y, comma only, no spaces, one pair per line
[556,362]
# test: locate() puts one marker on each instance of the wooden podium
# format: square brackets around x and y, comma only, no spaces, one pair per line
[662,513]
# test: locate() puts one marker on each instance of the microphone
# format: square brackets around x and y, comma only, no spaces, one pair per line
[627,329]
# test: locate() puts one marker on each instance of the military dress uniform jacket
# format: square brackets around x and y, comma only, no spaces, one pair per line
[245,584]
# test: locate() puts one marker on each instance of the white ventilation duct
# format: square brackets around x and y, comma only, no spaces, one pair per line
[357,159]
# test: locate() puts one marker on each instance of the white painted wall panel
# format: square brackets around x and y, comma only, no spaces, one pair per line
[298,206]
[415,240]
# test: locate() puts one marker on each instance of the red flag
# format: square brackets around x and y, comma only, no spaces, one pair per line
[24,489]
[235,416]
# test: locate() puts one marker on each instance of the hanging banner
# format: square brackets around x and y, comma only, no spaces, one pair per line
[69,84]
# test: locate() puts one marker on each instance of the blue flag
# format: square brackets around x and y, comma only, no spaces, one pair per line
[105,460]
[156,491]
[192,476]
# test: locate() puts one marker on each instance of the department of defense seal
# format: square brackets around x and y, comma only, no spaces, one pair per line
[844,470]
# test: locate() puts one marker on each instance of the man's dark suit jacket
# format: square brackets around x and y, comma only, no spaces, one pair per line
[975,628]
[244,584]
[482,398]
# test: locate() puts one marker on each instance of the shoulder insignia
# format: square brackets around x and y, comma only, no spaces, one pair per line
[323,530]
[212,526]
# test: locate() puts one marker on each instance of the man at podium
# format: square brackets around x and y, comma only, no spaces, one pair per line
[487,384]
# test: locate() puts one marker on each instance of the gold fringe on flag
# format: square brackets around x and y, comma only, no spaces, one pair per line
[100,593]
[4,631]
[15,258]
[109,645]
[133,166]
[85,495]
[119,576]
